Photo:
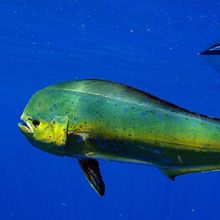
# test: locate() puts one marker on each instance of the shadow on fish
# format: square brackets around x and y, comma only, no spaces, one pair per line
[96,119]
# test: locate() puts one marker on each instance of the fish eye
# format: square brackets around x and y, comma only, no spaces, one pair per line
[36,123]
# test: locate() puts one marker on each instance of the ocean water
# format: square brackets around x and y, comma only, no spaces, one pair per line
[150,45]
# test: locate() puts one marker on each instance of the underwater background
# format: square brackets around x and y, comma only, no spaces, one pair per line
[150,45]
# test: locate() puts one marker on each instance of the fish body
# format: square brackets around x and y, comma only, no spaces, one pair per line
[96,119]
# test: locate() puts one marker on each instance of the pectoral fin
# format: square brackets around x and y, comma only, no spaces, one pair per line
[92,173]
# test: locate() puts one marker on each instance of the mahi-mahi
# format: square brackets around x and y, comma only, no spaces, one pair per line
[97,119]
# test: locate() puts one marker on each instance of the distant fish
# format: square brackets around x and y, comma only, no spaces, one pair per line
[213,50]
[95,119]
[212,56]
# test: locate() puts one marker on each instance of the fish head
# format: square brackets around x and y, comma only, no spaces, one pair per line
[44,130]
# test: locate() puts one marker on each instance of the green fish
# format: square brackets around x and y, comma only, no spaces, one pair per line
[97,119]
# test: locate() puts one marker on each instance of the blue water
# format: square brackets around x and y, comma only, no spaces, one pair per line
[151,45]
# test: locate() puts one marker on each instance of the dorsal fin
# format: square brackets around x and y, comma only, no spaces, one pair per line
[92,173]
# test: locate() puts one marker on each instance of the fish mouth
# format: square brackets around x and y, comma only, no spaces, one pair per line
[25,125]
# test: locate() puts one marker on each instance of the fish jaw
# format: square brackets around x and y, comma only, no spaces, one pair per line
[49,136]
[25,126]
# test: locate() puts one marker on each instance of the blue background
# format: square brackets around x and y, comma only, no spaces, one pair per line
[151,45]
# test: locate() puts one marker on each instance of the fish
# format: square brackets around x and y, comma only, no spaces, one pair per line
[212,56]
[92,120]
[212,50]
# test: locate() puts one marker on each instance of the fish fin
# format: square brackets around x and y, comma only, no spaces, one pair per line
[172,173]
[92,173]
[83,135]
